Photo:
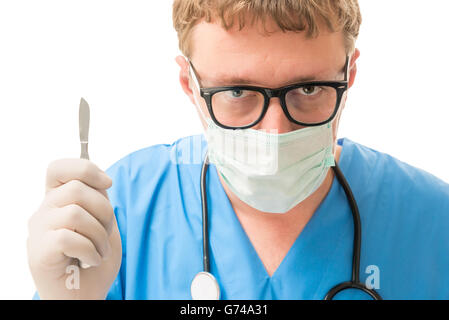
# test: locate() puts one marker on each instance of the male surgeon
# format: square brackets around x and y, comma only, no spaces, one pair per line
[264,73]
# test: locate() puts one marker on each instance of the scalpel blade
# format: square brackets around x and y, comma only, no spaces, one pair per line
[84,118]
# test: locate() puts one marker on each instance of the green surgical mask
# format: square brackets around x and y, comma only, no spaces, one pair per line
[271,172]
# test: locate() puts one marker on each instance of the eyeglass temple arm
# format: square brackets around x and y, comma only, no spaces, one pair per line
[347,68]
[193,74]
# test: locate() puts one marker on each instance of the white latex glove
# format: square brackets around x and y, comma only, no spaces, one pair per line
[75,220]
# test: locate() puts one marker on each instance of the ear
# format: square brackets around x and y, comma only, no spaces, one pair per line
[184,77]
[353,67]
[187,85]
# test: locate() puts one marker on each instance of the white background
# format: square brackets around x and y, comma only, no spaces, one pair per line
[119,55]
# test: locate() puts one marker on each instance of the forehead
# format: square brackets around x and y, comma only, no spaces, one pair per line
[264,59]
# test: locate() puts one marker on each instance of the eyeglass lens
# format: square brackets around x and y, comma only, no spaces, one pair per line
[307,104]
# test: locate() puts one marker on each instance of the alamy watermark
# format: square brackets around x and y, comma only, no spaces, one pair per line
[258,148]
[72,281]
[373,280]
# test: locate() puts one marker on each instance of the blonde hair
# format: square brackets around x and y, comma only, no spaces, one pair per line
[289,15]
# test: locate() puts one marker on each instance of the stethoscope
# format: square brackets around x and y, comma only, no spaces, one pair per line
[205,287]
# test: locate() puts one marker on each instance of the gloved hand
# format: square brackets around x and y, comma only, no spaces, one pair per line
[74,221]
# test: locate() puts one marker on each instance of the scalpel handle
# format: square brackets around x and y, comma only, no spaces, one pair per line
[84,155]
[84,152]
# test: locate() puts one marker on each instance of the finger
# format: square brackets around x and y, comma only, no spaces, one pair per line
[91,200]
[62,171]
[74,245]
[104,193]
[76,219]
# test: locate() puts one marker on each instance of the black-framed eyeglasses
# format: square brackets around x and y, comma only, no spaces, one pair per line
[311,103]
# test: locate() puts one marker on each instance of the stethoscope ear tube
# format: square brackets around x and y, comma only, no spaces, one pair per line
[204,286]
[206,262]
[357,224]
[355,278]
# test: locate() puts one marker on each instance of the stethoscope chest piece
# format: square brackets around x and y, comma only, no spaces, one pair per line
[204,287]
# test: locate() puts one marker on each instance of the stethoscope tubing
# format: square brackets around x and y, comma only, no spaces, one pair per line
[355,277]
[354,283]
[206,262]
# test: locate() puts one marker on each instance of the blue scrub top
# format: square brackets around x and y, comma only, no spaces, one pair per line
[405,230]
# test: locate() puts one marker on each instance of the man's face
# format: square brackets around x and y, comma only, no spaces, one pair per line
[247,57]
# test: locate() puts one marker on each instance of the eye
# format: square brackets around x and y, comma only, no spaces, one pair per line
[236,93]
[309,90]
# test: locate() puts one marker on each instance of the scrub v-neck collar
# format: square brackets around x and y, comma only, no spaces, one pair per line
[235,262]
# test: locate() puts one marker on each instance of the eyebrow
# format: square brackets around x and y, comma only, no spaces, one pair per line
[232,81]
[242,81]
